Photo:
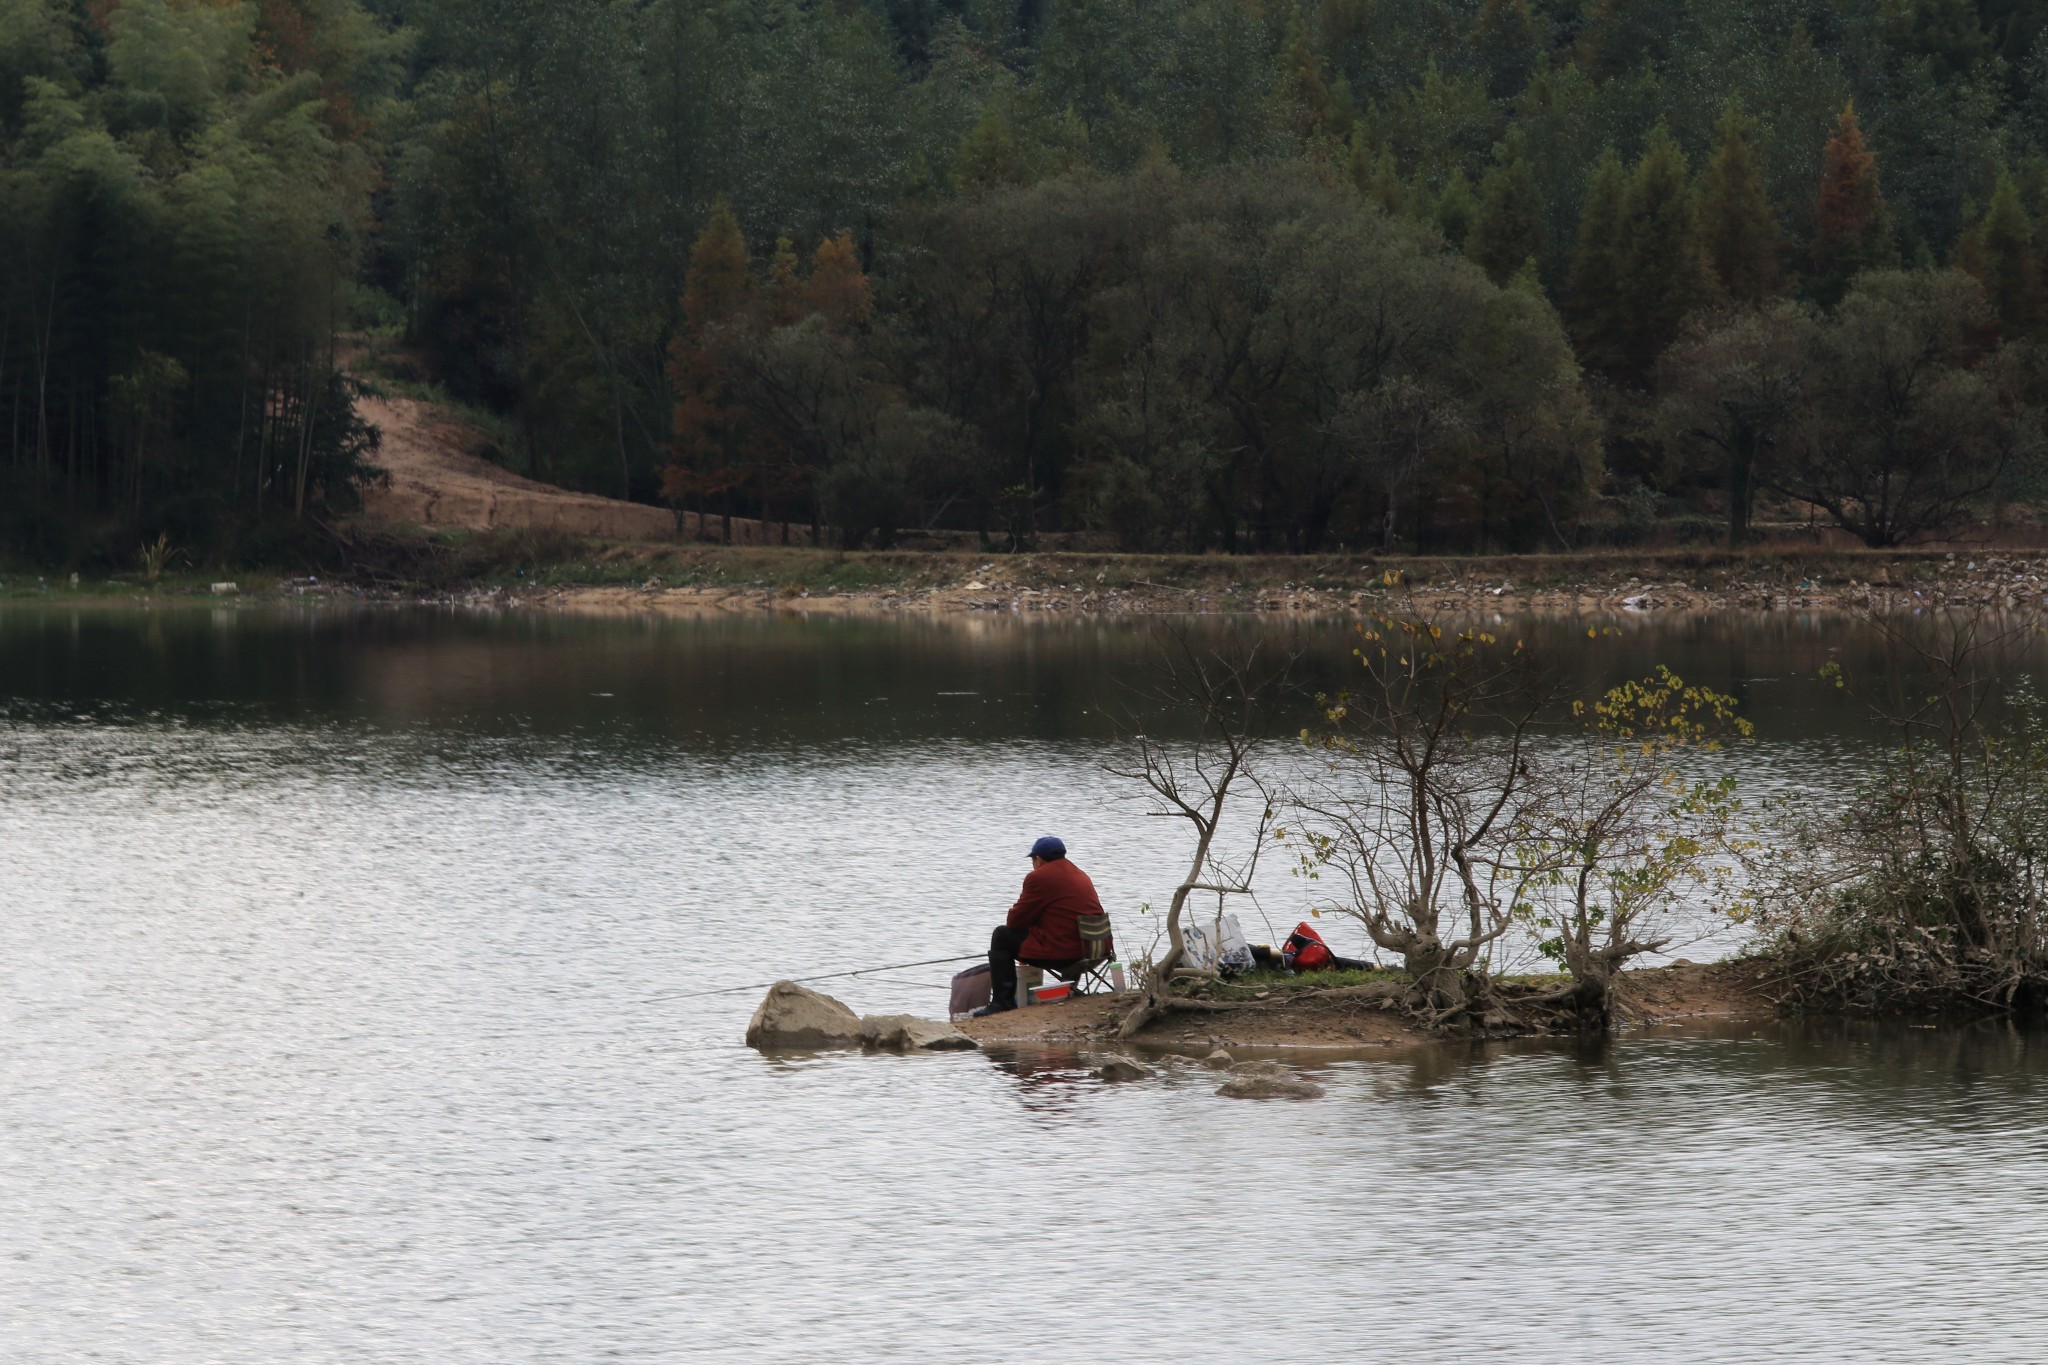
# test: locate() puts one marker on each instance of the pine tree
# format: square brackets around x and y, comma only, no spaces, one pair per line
[1508,229]
[707,455]
[2002,258]
[991,155]
[1946,32]
[838,289]
[1505,41]
[1598,327]
[1664,276]
[1322,113]
[1375,173]
[1744,242]
[782,300]
[1853,231]
[1455,210]
[720,282]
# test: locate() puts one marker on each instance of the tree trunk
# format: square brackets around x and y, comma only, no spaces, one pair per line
[1159,981]
[1591,1002]
[1741,492]
[1440,986]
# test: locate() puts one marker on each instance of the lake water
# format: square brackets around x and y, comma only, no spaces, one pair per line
[340,961]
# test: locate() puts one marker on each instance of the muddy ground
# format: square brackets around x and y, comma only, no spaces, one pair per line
[1353,1017]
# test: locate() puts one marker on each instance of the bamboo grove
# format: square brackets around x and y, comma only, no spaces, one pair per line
[1198,274]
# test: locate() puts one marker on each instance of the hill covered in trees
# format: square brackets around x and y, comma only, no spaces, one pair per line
[1187,274]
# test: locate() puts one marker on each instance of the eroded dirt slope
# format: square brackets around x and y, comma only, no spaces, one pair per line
[437,482]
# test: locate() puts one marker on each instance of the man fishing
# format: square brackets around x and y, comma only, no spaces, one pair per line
[1043,927]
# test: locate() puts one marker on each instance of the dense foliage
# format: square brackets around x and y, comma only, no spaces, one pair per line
[1200,273]
[183,194]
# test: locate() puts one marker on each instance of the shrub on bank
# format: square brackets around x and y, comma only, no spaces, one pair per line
[1927,892]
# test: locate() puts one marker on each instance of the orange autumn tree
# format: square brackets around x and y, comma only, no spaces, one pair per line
[708,455]
[838,289]
[1853,231]
[803,374]
[769,384]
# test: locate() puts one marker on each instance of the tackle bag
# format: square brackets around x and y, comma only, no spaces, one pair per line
[971,991]
[1305,950]
[1218,946]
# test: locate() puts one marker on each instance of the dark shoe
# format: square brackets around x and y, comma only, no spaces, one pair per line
[992,1007]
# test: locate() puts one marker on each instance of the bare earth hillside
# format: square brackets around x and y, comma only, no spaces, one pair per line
[436,482]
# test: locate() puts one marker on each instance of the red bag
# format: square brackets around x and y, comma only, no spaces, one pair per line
[1305,950]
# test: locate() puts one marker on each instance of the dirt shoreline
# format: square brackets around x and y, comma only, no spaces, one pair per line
[1566,586]
[1353,1017]
[501,572]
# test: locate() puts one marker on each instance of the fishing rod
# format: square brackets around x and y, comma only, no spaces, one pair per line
[826,976]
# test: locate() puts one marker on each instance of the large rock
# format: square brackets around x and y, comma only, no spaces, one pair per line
[1264,1087]
[1218,1060]
[907,1033]
[793,1017]
[1121,1069]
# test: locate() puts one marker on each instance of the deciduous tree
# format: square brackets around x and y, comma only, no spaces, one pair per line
[1734,384]
[1909,423]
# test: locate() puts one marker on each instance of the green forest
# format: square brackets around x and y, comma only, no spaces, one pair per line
[1232,275]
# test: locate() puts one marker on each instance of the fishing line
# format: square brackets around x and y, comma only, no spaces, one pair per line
[825,976]
[906,981]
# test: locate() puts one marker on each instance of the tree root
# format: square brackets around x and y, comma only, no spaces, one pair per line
[1152,1009]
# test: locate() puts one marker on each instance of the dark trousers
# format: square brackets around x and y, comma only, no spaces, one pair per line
[1002,963]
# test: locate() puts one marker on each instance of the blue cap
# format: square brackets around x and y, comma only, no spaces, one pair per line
[1048,848]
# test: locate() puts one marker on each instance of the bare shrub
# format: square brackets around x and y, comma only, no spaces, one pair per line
[1625,832]
[1232,700]
[1928,889]
[1425,778]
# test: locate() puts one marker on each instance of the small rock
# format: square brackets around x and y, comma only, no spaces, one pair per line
[907,1033]
[1269,1088]
[1259,1068]
[1218,1059]
[792,1016]
[1121,1069]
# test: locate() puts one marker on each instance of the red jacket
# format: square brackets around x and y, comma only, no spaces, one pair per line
[1056,895]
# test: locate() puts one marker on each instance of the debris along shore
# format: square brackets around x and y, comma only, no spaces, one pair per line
[1593,584]
[523,571]
[1305,1014]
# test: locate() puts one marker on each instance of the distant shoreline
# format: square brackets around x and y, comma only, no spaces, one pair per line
[667,579]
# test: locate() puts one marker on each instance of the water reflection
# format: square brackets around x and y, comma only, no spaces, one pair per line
[339,979]
[736,683]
